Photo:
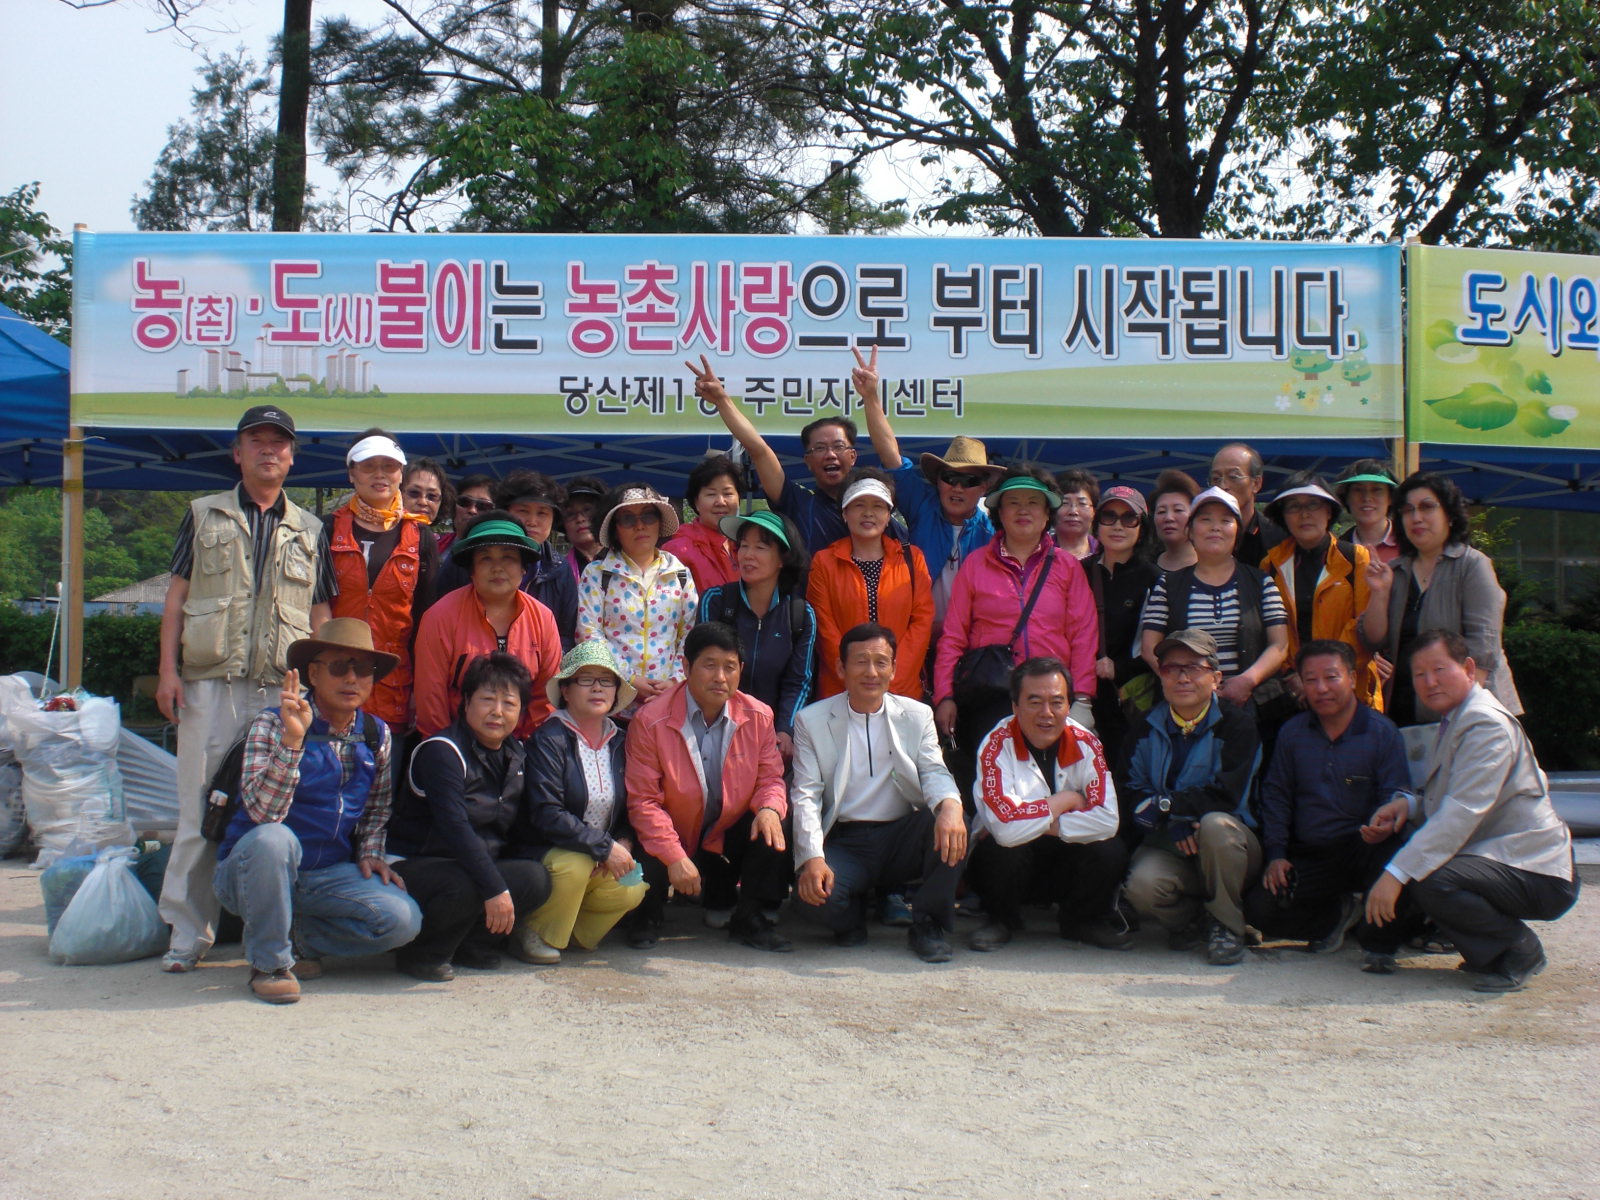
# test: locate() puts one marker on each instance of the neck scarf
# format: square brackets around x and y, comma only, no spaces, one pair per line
[380,518]
[1188,727]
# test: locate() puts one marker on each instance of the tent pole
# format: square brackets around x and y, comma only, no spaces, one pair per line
[70,601]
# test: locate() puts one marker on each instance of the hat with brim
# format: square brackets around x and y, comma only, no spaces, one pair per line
[267,414]
[967,455]
[1127,495]
[1197,641]
[341,633]
[1275,509]
[636,497]
[595,652]
[376,446]
[1022,483]
[1215,495]
[1342,486]
[763,518]
[493,528]
[866,488]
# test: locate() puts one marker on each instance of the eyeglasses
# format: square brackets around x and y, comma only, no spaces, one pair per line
[1218,478]
[830,448]
[1186,670]
[420,494]
[1128,520]
[607,683]
[1292,508]
[957,479]
[472,505]
[1077,502]
[1426,508]
[364,668]
[627,520]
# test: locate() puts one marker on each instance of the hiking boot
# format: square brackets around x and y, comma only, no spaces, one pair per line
[1106,933]
[307,969]
[1190,937]
[428,970]
[1224,947]
[1513,972]
[897,911]
[1332,942]
[1378,962]
[990,936]
[759,935]
[928,941]
[275,987]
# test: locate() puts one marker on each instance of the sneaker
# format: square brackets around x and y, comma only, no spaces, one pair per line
[990,936]
[1106,933]
[428,970]
[528,946]
[1224,947]
[1513,973]
[1332,942]
[1191,937]
[307,969]
[718,918]
[1378,962]
[759,935]
[475,957]
[854,936]
[928,941]
[897,911]
[274,987]
[179,962]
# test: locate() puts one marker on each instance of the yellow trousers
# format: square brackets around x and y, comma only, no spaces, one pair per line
[584,903]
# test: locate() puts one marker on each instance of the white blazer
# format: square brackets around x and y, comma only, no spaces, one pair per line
[822,778]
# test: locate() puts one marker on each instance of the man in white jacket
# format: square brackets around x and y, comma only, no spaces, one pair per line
[1048,814]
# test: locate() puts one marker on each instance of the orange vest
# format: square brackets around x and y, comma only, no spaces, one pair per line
[386,607]
[1341,596]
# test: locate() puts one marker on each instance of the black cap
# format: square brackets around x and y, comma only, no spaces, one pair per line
[267,414]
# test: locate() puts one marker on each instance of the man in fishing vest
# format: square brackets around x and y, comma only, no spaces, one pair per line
[251,573]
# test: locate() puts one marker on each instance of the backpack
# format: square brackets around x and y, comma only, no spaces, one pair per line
[222,792]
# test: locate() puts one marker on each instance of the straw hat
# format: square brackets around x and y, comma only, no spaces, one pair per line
[965,454]
[341,633]
[635,496]
[596,652]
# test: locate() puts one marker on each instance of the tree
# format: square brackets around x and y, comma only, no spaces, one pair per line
[30,529]
[35,263]
[294,105]
[1449,123]
[1064,118]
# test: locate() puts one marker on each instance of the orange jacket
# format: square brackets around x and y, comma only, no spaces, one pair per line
[455,631]
[1340,598]
[838,593]
[386,607]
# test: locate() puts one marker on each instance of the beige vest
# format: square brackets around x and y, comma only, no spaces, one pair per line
[231,630]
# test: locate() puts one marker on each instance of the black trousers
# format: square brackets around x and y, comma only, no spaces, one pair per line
[1081,877]
[1481,904]
[1323,875]
[890,855]
[976,714]
[452,909]
[746,876]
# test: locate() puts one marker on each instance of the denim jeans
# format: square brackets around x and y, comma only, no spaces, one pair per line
[289,913]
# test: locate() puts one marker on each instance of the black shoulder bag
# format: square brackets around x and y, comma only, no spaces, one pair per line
[984,671]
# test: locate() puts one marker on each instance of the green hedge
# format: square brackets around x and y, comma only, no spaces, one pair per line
[1558,677]
[115,650]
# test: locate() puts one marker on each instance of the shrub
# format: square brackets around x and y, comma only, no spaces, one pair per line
[1558,677]
[115,650]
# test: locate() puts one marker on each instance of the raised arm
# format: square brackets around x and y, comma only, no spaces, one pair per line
[865,379]
[710,389]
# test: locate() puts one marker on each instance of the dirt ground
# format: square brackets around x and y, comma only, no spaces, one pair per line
[705,1069]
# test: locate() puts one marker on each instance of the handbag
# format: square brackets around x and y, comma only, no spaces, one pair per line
[984,670]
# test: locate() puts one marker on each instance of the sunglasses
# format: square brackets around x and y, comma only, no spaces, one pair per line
[627,520]
[1128,520]
[419,494]
[1186,670]
[363,668]
[957,479]
[477,506]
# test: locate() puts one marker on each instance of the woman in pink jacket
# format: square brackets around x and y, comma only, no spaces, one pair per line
[713,493]
[991,590]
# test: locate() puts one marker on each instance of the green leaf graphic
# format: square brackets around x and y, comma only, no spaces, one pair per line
[1477,406]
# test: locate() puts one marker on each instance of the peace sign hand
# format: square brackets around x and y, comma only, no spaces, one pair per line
[865,375]
[706,384]
[294,710]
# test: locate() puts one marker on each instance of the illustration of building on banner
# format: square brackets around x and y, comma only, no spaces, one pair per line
[277,370]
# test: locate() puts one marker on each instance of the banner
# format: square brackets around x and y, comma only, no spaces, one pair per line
[1504,348]
[586,335]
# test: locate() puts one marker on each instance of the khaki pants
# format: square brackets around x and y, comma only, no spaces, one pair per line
[584,904]
[1173,889]
[215,713]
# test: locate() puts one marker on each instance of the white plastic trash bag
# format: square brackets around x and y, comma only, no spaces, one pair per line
[112,918]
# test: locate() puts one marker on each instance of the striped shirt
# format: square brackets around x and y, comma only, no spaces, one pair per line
[1215,609]
[263,523]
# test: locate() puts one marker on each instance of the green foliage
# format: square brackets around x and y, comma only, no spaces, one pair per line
[24,639]
[1558,677]
[115,649]
[30,529]
[35,263]
[1525,598]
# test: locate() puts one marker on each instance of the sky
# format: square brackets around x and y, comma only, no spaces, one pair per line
[87,95]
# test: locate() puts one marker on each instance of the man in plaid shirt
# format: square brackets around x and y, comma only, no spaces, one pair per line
[302,860]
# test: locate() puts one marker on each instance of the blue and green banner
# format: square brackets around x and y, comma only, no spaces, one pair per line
[587,335]
[1504,348]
